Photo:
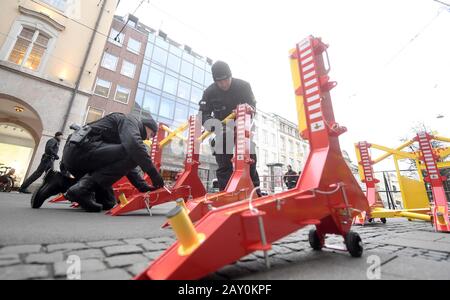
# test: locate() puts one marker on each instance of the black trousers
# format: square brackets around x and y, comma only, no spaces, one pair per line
[223,153]
[45,165]
[225,170]
[105,163]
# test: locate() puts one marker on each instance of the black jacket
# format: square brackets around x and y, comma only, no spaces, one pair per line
[51,149]
[290,177]
[222,103]
[127,130]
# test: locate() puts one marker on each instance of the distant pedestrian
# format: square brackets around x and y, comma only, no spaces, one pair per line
[47,160]
[290,178]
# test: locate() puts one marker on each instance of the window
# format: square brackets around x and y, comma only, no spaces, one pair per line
[193,111]
[160,56]
[102,88]
[265,137]
[134,46]
[58,4]
[174,63]
[128,69]
[155,78]
[151,103]
[138,101]
[109,61]
[208,79]
[184,90]
[131,23]
[162,43]
[175,50]
[170,85]
[199,75]
[144,73]
[93,114]
[186,69]
[197,94]
[122,94]
[148,50]
[181,112]
[274,157]
[116,38]
[29,49]
[283,143]
[167,108]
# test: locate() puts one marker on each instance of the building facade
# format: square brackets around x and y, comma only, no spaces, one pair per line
[49,54]
[278,142]
[116,82]
[144,72]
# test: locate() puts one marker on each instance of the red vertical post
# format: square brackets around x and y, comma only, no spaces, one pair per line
[440,207]
[369,180]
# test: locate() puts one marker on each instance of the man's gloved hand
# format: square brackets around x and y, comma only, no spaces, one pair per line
[157,180]
[146,188]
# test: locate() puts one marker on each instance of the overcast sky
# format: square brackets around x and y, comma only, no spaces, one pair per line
[391,58]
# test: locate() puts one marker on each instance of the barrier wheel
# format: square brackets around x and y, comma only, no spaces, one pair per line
[315,241]
[354,244]
[383,220]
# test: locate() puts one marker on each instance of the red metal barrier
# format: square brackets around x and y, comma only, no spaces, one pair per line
[370,181]
[240,184]
[327,195]
[440,208]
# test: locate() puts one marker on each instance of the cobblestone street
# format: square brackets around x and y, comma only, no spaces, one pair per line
[406,250]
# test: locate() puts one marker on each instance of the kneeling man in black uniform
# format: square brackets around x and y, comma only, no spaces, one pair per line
[98,155]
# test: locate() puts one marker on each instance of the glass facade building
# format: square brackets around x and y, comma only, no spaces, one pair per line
[171,82]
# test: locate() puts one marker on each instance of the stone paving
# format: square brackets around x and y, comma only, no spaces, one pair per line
[399,243]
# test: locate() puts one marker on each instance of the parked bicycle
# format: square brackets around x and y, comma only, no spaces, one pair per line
[6,178]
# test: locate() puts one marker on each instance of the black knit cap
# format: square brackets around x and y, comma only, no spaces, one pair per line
[59,133]
[150,123]
[220,71]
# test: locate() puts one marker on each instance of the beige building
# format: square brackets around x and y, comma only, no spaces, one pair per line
[49,54]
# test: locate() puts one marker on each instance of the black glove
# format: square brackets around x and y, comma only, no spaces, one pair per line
[56,157]
[147,188]
[157,180]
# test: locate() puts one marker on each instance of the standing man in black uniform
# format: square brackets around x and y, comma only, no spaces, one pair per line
[290,178]
[47,160]
[219,100]
[98,155]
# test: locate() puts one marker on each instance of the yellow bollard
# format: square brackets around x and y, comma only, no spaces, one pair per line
[123,200]
[180,202]
[411,215]
[184,230]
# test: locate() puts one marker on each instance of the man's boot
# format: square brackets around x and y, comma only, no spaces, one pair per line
[54,183]
[83,192]
[105,197]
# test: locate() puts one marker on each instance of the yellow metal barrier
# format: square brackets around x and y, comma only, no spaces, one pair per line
[177,134]
[414,194]
[206,134]
[173,134]
[296,78]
